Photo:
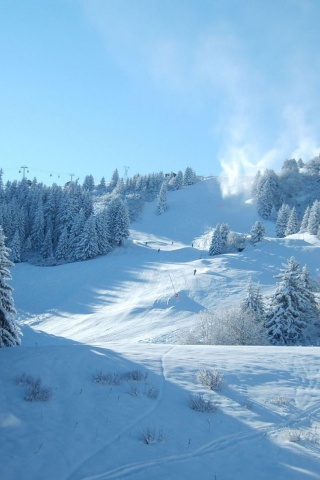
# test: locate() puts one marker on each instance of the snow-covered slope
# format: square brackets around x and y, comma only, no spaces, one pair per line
[138,293]
[123,313]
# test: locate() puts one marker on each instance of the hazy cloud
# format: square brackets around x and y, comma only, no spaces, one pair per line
[263,91]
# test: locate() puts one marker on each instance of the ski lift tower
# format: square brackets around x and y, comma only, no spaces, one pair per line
[24,168]
[126,168]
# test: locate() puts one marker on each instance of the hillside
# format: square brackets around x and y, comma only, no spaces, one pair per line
[117,319]
[135,287]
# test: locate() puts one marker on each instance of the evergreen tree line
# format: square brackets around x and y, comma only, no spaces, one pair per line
[287,221]
[296,186]
[59,224]
[291,316]
[76,222]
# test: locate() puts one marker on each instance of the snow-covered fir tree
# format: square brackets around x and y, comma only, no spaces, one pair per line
[224,235]
[314,218]
[87,246]
[292,224]
[9,330]
[102,187]
[162,199]
[268,193]
[257,232]
[75,234]
[38,227]
[178,180]
[282,220]
[256,185]
[216,244]
[114,179]
[63,248]
[88,183]
[253,302]
[285,320]
[117,221]
[15,247]
[189,177]
[103,233]
[47,247]
[305,220]
[311,313]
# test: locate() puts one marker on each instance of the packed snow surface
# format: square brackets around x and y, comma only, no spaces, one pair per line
[117,320]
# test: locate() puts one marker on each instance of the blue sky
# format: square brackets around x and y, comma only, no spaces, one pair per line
[223,86]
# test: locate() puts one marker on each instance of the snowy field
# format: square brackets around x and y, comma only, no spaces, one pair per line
[117,320]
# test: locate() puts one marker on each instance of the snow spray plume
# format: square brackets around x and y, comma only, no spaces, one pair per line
[236,172]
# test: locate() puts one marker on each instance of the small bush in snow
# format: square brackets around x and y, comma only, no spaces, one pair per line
[134,391]
[107,378]
[152,392]
[23,379]
[201,404]
[136,376]
[36,392]
[281,400]
[152,435]
[211,378]
[231,326]
[294,435]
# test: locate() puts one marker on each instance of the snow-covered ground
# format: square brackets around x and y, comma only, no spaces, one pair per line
[124,313]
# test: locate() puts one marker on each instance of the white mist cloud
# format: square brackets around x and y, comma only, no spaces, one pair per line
[264,102]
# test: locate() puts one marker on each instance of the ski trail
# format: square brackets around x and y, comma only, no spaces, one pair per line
[218,444]
[102,451]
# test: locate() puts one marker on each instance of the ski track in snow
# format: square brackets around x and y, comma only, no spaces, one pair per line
[212,447]
[138,420]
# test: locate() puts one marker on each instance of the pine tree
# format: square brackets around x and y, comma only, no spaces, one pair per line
[88,183]
[268,193]
[162,199]
[305,220]
[121,227]
[189,177]
[103,233]
[215,246]
[9,330]
[224,234]
[253,303]
[257,232]
[47,247]
[15,247]
[63,248]
[284,320]
[114,179]
[311,311]
[37,233]
[282,220]
[314,218]
[102,188]
[178,183]
[256,185]
[87,246]
[75,233]
[293,223]
[117,221]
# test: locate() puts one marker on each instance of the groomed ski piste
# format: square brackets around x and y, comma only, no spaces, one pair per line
[104,336]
